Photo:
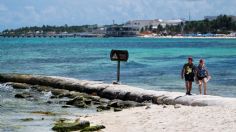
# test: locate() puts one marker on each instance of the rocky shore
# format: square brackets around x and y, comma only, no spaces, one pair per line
[142,113]
[122,92]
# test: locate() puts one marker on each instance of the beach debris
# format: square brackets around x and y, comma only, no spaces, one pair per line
[27,119]
[177,106]
[23,95]
[93,128]
[44,113]
[68,125]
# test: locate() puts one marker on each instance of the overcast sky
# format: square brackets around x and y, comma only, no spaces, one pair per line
[18,13]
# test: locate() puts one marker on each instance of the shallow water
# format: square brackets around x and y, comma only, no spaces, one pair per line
[153,63]
[12,110]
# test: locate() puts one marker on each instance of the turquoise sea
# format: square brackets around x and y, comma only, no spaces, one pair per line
[153,64]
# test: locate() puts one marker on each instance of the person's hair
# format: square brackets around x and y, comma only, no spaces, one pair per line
[190,58]
[201,61]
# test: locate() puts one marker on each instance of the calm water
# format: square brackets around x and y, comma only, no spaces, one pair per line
[153,63]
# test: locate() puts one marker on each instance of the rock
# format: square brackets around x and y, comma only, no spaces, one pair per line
[75,100]
[60,93]
[93,128]
[42,88]
[70,126]
[19,85]
[114,103]
[49,102]
[128,104]
[147,107]
[102,108]
[53,97]
[44,113]
[27,119]
[177,106]
[97,103]
[117,109]
[164,106]
[23,95]
[78,102]
[87,101]
[94,98]
[103,100]
[65,106]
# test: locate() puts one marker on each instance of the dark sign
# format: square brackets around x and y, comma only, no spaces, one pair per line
[119,55]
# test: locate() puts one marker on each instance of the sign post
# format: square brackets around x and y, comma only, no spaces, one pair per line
[119,55]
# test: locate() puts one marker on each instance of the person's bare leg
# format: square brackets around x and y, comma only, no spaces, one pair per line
[200,86]
[190,87]
[186,85]
[205,87]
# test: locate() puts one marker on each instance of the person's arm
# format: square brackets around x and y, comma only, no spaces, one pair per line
[195,70]
[182,72]
[207,73]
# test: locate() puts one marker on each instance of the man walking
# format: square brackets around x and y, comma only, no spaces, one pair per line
[188,73]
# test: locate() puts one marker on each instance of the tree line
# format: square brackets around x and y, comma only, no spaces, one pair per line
[223,24]
[47,28]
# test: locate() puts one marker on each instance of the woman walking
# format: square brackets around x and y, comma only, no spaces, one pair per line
[202,76]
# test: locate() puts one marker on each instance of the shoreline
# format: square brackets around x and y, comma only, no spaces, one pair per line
[145,36]
[165,111]
[185,37]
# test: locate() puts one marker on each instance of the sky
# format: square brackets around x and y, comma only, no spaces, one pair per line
[21,13]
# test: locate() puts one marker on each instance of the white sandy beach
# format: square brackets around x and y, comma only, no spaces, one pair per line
[169,119]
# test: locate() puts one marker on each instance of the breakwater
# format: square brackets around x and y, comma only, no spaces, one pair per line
[122,92]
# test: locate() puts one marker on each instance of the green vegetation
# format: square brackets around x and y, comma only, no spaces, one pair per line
[45,29]
[223,24]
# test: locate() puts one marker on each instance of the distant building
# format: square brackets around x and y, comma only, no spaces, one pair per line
[139,24]
[121,31]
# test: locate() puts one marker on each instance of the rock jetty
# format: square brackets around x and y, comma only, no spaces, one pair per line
[122,92]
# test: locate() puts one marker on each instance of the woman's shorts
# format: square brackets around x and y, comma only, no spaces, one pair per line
[189,78]
[200,78]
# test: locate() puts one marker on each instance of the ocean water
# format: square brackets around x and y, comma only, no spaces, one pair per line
[153,63]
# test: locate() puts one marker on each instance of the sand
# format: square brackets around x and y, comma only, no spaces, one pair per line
[169,119]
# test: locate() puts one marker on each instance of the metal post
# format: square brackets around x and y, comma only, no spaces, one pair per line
[118,71]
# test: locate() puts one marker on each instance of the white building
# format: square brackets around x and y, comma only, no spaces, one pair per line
[154,23]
